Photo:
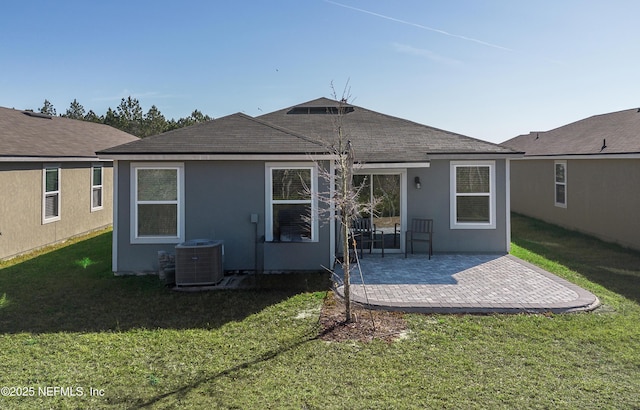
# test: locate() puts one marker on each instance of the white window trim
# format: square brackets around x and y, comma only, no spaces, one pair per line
[135,239]
[46,167]
[403,197]
[269,167]
[100,187]
[556,183]
[454,224]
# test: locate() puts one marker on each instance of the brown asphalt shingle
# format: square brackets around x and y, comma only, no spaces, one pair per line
[234,134]
[29,135]
[308,128]
[379,137]
[612,133]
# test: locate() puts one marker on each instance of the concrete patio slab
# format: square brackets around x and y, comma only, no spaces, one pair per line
[463,284]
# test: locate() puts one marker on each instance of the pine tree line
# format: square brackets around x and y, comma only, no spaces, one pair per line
[128,117]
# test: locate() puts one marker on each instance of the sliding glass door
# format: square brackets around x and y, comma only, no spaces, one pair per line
[385,190]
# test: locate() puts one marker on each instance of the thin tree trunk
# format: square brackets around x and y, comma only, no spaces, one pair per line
[344,219]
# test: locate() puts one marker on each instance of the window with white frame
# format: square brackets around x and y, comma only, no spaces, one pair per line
[51,193]
[96,187]
[291,206]
[560,176]
[158,197]
[473,196]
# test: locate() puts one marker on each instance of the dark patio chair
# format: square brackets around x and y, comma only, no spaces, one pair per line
[366,234]
[421,231]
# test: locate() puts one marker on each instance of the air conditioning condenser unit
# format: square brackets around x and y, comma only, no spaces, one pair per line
[199,262]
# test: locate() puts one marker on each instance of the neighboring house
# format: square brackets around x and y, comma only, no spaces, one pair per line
[240,179]
[583,176]
[54,186]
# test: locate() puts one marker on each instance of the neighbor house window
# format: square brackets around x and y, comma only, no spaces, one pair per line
[473,196]
[560,183]
[291,207]
[158,197]
[96,187]
[51,193]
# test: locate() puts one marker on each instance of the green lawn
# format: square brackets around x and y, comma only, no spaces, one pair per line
[67,322]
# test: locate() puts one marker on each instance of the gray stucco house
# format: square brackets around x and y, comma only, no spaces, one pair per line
[238,179]
[54,186]
[583,176]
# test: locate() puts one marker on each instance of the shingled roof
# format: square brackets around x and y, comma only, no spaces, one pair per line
[234,134]
[378,137]
[309,128]
[25,134]
[605,134]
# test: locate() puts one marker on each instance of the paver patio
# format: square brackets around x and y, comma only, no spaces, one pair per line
[463,284]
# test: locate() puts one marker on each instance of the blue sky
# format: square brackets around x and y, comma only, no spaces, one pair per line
[490,69]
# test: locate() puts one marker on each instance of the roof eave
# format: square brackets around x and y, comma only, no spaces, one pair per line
[216,156]
[618,155]
[35,158]
[475,155]
[393,165]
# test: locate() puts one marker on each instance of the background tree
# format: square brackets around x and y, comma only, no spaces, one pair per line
[75,111]
[196,117]
[129,116]
[93,117]
[111,118]
[154,122]
[47,108]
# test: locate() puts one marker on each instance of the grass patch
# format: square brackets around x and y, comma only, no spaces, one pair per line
[64,324]
[604,268]
[84,262]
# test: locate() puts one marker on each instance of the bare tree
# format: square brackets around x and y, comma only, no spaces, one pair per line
[343,205]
